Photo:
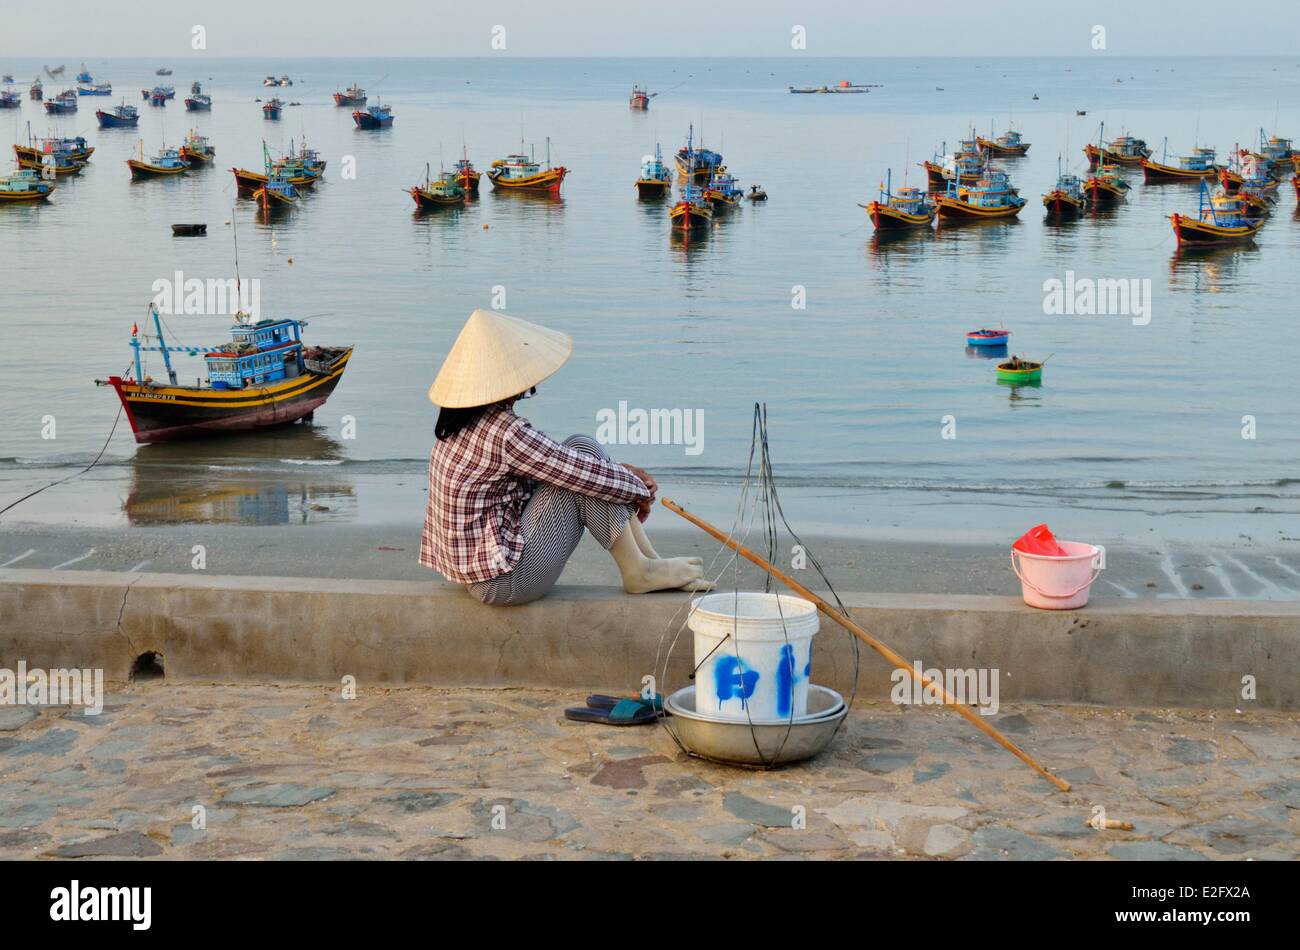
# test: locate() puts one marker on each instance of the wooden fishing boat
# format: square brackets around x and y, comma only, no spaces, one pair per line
[263,377]
[36,92]
[159,92]
[353,96]
[756,193]
[197,150]
[1197,166]
[167,162]
[1276,151]
[1020,371]
[1067,197]
[73,148]
[987,337]
[990,198]
[466,173]
[278,193]
[522,173]
[907,209]
[442,192]
[249,181]
[378,116]
[692,213]
[1007,145]
[696,165]
[198,102]
[1221,219]
[722,191]
[97,89]
[964,165]
[10,99]
[1124,150]
[24,185]
[1106,186]
[52,157]
[656,178]
[65,103]
[271,108]
[119,117]
[640,100]
[306,159]
[162,71]
[189,230]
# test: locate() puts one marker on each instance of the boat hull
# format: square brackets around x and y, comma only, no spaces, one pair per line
[957,209]
[428,201]
[1020,375]
[690,218]
[341,100]
[1204,234]
[1002,151]
[141,169]
[109,121]
[547,181]
[976,340]
[1106,156]
[172,413]
[271,200]
[198,158]
[1156,172]
[1101,193]
[365,120]
[652,188]
[25,197]
[272,114]
[1060,204]
[886,218]
[193,105]
[469,181]
[252,181]
[40,166]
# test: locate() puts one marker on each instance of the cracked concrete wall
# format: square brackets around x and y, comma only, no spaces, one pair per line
[259,629]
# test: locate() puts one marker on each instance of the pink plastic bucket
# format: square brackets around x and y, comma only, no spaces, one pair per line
[1057,583]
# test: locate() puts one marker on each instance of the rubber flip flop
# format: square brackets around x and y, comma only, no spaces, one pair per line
[626,712]
[601,701]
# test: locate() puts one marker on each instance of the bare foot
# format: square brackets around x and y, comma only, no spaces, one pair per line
[666,573]
[639,536]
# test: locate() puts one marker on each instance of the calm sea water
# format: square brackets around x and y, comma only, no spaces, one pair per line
[857,383]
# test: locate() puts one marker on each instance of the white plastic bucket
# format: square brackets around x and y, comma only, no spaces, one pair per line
[1058,583]
[753,654]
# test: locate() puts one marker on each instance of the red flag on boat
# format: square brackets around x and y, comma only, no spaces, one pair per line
[135,330]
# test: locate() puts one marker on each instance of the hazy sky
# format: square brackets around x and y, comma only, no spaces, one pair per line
[75,29]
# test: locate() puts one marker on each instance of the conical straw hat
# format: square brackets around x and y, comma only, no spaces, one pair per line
[496,357]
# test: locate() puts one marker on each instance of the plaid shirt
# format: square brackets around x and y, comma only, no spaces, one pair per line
[481,478]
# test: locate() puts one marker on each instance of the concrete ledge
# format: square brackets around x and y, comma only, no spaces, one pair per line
[259,629]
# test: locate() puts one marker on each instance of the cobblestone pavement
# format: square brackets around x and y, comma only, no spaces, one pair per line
[300,772]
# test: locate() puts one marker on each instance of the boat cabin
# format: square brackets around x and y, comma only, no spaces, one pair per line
[259,353]
[518,166]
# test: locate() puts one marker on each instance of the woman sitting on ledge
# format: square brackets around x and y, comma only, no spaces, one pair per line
[507,504]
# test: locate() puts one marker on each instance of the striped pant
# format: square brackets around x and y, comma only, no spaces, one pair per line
[552,525]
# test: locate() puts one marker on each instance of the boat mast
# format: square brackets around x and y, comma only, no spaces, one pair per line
[162,344]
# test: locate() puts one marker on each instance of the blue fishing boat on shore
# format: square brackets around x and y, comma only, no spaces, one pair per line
[119,117]
[377,116]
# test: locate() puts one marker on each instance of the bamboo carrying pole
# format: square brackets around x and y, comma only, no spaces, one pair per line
[869,640]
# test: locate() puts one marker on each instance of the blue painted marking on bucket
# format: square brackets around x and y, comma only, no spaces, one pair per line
[731,678]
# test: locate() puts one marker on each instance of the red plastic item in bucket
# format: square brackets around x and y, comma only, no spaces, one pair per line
[1040,540]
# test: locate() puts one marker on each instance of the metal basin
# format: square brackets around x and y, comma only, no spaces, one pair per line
[762,743]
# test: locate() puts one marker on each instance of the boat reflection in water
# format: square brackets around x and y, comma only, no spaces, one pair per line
[290,476]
